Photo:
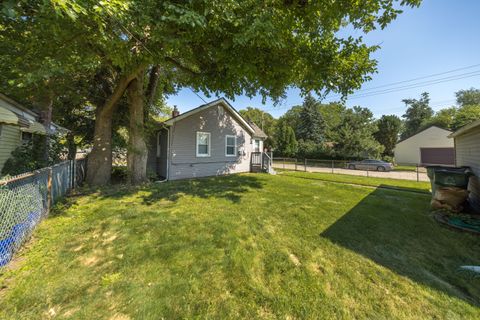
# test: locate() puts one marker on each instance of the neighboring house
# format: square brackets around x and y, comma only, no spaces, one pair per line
[428,147]
[18,125]
[213,139]
[467,153]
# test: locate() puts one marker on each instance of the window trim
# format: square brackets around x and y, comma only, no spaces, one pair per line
[203,155]
[159,149]
[234,145]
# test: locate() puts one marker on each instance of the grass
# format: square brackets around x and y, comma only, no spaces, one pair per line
[406,168]
[407,185]
[244,246]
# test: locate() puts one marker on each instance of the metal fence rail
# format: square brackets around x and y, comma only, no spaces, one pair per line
[26,199]
[413,172]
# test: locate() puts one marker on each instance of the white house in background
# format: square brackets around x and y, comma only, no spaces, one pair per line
[428,147]
[467,153]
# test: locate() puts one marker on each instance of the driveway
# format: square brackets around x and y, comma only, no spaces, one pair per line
[404,175]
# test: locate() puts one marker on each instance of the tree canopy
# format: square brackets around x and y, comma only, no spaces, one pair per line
[223,47]
[418,112]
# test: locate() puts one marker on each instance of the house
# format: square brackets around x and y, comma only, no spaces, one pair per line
[212,139]
[18,125]
[430,146]
[467,153]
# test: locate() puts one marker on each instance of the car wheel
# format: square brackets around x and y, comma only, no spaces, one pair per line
[351,167]
[381,169]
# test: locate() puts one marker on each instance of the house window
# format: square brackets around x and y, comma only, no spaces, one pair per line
[203,144]
[256,145]
[26,137]
[230,146]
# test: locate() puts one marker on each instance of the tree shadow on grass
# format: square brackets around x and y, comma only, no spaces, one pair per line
[229,187]
[396,231]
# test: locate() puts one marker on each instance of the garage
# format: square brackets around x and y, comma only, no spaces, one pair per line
[443,156]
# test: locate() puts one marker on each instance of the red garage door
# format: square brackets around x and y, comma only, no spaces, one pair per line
[444,156]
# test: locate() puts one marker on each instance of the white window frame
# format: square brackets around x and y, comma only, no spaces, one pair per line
[202,155]
[159,148]
[255,145]
[234,146]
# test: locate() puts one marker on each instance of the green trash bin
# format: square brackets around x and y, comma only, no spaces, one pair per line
[431,176]
[448,177]
[453,177]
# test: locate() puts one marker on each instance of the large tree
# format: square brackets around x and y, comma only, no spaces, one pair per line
[311,125]
[215,47]
[468,97]
[417,114]
[354,138]
[264,120]
[285,138]
[389,127]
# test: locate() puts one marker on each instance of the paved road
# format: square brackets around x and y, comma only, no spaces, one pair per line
[404,175]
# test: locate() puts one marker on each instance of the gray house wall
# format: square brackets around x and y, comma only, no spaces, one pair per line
[467,147]
[219,122]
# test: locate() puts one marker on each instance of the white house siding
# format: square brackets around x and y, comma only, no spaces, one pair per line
[467,149]
[408,151]
[218,121]
[9,140]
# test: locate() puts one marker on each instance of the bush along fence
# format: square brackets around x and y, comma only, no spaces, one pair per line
[27,198]
[413,172]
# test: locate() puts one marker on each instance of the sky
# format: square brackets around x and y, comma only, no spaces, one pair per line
[438,37]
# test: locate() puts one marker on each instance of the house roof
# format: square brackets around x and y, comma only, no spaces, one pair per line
[427,128]
[465,129]
[258,133]
[18,105]
[19,117]
[222,101]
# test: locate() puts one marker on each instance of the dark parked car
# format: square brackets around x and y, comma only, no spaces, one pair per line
[370,164]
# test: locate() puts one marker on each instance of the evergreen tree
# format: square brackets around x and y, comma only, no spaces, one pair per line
[286,142]
[311,126]
[388,131]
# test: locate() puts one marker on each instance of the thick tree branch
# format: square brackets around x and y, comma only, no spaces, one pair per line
[152,85]
[181,66]
[120,88]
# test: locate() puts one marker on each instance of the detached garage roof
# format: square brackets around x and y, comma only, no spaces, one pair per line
[465,129]
[420,132]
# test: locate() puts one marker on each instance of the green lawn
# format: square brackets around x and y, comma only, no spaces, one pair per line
[245,246]
[406,168]
[407,185]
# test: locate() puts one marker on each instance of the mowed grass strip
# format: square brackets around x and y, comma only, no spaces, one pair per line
[399,184]
[243,246]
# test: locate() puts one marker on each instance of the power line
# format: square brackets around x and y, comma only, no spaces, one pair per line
[413,86]
[418,78]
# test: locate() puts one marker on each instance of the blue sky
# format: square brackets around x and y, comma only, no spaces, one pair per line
[440,36]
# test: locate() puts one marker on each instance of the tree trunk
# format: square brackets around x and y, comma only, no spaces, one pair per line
[72,146]
[137,148]
[45,104]
[99,165]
